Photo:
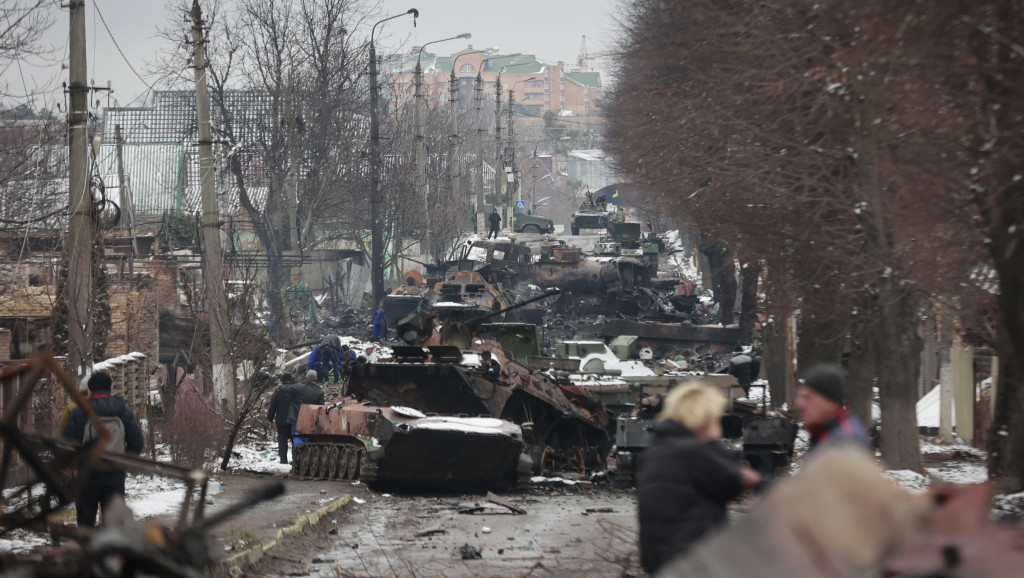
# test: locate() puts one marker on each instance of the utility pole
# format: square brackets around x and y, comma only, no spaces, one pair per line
[454,162]
[376,197]
[499,170]
[481,223]
[511,156]
[217,304]
[420,158]
[79,240]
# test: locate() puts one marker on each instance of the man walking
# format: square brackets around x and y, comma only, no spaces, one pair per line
[820,399]
[278,414]
[495,220]
[107,481]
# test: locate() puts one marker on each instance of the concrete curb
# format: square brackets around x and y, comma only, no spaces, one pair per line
[234,564]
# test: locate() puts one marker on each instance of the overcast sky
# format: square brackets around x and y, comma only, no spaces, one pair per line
[550,29]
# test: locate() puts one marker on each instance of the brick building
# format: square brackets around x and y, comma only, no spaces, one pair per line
[554,87]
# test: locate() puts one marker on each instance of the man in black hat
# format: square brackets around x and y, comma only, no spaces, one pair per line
[821,402]
[126,437]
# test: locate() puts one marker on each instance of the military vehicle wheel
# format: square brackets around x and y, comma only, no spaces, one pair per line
[332,462]
[324,467]
[531,229]
[312,461]
[298,457]
[352,464]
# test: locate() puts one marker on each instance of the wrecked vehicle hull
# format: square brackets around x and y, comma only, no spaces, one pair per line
[562,426]
[402,448]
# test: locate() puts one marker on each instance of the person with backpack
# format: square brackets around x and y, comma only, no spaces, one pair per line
[107,481]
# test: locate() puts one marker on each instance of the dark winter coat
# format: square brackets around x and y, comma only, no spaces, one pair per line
[106,405]
[495,220]
[745,368]
[682,490]
[305,393]
[281,405]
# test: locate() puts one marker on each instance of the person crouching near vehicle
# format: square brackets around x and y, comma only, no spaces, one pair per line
[108,481]
[687,477]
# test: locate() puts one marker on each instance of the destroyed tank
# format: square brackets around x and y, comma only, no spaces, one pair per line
[403,448]
[462,294]
[440,371]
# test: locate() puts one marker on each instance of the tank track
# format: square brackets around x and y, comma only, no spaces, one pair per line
[332,461]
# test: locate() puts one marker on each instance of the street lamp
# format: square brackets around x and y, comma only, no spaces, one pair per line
[512,141]
[454,162]
[376,199]
[480,222]
[421,145]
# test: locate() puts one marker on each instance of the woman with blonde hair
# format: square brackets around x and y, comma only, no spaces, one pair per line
[687,477]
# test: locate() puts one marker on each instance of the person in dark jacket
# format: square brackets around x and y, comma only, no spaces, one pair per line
[744,368]
[820,399]
[278,412]
[104,485]
[305,393]
[687,477]
[330,347]
[495,220]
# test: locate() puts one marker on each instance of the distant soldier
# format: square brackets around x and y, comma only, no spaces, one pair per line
[495,220]
[490,366]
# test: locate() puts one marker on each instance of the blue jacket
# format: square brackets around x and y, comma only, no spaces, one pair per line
[106,405]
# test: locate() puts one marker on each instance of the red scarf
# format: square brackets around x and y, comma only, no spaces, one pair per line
[819,433]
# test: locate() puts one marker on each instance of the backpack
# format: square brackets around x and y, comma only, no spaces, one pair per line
[116,445]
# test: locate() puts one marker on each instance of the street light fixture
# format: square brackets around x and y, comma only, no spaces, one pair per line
[421,148]
[376,199]
[479,90]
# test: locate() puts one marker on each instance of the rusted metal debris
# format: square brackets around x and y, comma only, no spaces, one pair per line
[122,545]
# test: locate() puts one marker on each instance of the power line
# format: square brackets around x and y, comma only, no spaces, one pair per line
[116,45]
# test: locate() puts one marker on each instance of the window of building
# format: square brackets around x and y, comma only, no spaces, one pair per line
[467,68]
[586,96]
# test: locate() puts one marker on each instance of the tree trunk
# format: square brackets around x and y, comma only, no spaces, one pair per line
[748,308]
[822,339]
[860,381]
[723,276]
[899,363]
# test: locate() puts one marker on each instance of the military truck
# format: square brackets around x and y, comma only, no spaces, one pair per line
[523,222]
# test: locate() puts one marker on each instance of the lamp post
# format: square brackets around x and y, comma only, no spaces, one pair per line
[512,143]
[481,223]
[420,159]
[376,198]
[454,162]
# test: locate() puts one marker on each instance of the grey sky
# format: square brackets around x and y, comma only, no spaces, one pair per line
[550,29]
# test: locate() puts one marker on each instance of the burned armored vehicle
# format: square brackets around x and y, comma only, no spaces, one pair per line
[403,448]
[442,371]
[463,293]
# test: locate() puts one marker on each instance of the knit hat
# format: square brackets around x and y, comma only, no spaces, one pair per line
[100,381]
[311,374]
[828,380]
[287,378]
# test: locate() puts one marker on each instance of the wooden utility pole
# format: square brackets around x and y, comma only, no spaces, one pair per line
[481,215]
[79,240]
[510,155]
[213,257]
[499,170]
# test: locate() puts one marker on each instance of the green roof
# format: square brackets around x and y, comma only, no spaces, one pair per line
[591,79]
[523,64]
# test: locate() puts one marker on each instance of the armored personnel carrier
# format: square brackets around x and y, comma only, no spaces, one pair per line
[403,448]
[592,214]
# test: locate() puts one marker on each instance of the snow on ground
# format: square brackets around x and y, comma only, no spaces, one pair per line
[679,261]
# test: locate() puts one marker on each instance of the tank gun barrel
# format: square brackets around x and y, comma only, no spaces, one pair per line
[478,320]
